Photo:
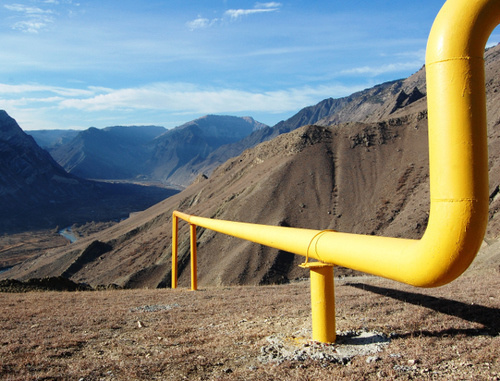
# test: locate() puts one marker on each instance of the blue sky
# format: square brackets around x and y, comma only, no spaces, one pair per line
[78,63]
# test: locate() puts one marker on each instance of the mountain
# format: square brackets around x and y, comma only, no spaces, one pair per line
[51,139]
[178,150]
[377,103]
[315,177]
[36,192]
[111,153]
[150,153]
[366,177]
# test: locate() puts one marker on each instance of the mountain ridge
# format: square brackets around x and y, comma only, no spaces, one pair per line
[147,153]
[327,112]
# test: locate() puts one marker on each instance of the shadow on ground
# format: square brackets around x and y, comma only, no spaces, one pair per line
[487,316]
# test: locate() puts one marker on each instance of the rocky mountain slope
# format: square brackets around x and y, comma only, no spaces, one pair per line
[366,177]
[36,192]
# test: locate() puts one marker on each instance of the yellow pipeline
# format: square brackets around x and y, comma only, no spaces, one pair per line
[458,162]
[458,179]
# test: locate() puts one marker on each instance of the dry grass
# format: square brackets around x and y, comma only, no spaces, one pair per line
[16,248]
[216,333]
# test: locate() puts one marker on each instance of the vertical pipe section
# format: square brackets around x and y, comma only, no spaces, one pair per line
[194,259]
[175,224]
[322,302]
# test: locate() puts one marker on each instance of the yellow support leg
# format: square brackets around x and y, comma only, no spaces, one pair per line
[322,301]
[194,259]
[175,224]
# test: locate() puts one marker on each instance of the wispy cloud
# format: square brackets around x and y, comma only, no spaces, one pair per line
[374,71]
[183,97]
[233,15]
[201,23]
[33,19]
[272,4]
[26,9]
[169,97]
[10,90]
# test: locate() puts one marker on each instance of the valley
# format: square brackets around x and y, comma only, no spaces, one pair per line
[18,247]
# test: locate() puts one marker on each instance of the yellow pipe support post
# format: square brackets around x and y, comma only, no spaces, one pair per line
[322,301]
[458,165]
[175,224]
[194,259]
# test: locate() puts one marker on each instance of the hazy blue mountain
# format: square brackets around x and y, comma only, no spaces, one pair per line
[178,150]
[150,153]
[110,153]
[36,192]
[50,139]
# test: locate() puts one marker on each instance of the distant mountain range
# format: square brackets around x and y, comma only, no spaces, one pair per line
[177,156]
[377,103]
[359,165]
[110,153]
[51,139]
[145,153]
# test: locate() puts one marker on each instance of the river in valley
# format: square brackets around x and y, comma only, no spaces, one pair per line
[68,234]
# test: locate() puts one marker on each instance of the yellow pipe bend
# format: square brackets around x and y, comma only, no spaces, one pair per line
[458,160]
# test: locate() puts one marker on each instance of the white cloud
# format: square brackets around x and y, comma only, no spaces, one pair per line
[201,23]
[33,20]
[10,90]
[268,5]
[233,14]
[383,69]
[183,98]
[27,10]
[237,13]
[29,26]
[198,23]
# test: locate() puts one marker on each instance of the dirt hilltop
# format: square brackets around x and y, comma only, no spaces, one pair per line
[366,177]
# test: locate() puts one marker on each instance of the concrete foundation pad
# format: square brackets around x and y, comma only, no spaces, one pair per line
[349,344]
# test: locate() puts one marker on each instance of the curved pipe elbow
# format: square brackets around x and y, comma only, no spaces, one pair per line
[448,248]
[449,245]
[458,159]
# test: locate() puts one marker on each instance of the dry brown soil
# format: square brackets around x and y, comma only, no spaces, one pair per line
[218,333]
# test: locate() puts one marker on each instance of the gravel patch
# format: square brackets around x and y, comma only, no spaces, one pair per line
[154,308]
